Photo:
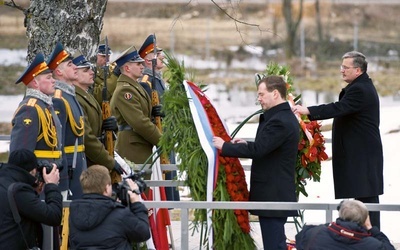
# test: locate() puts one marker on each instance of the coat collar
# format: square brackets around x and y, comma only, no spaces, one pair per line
[69,89]
[272,111]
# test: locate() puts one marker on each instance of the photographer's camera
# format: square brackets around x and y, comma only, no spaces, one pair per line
[45,164]
[121,189]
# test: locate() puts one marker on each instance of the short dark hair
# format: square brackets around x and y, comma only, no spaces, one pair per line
[359,60]
[274,82]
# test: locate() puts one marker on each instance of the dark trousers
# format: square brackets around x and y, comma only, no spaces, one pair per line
[172,193]
[375,217]
[273,232]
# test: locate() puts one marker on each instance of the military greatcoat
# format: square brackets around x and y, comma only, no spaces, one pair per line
[137,135]
[36,127]
[94,148]
[72,119]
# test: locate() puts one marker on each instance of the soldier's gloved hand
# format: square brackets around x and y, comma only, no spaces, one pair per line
[110,124]
[157,111]
[118,168]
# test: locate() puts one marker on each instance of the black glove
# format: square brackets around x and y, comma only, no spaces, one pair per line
[118,168]
[157,111]
[110,124]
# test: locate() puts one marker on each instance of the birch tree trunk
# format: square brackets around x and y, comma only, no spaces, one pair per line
[77,24]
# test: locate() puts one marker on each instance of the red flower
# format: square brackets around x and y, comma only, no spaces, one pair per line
[235,177]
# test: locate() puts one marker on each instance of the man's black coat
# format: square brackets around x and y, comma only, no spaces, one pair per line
[274,154]
[357,156]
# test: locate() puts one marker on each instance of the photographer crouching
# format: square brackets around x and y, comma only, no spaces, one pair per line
[98,221]
[21,209]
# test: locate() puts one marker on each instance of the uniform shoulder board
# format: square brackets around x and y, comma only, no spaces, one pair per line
[58,93]
[31,102]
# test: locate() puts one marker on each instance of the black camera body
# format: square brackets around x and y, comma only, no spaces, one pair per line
[48,165]
[121,189]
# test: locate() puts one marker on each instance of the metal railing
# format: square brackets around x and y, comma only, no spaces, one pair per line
[186,206]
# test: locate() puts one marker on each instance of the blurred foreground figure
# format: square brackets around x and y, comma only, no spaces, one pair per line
[19,179]
[352,230]
[97,221]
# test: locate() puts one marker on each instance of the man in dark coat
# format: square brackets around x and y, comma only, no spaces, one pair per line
[352,230]
[274,154]
[357,156]
[97,221]
[21,170]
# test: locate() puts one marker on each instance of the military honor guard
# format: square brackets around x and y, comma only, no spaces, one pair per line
[96,153]
[131,105]
[72,119]
[103,57]
[35,126]
[146,51]
[154,77]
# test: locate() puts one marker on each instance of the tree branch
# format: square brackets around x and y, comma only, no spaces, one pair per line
[237,21]
[13,5]
[233,18]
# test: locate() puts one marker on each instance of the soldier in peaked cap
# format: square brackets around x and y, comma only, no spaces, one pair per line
[147,52]
[36,127]
[131,105]
[103,56]
[72,119]
[94,124]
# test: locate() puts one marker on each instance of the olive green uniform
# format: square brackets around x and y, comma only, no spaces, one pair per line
[94,148]
[137,135]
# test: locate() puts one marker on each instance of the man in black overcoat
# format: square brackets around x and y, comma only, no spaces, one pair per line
[274,154]
[357,156]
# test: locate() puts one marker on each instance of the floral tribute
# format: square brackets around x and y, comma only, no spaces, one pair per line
[230,227]
[235,179]
[311,145]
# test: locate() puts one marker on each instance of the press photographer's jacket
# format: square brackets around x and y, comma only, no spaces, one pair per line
[32,210]
[349,236]
[98,222]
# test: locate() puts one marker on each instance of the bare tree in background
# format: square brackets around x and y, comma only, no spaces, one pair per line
[77,24]
[319,22]
[292,25]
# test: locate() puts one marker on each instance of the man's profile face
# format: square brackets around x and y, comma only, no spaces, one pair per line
[134,69]
[348,71]
[85,76]
[68,70]
[102,60]
[46,83]
[264,97]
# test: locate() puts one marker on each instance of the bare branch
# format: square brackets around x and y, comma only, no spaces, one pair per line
[237,22]
[15,6]
[233,18]
[176,19]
